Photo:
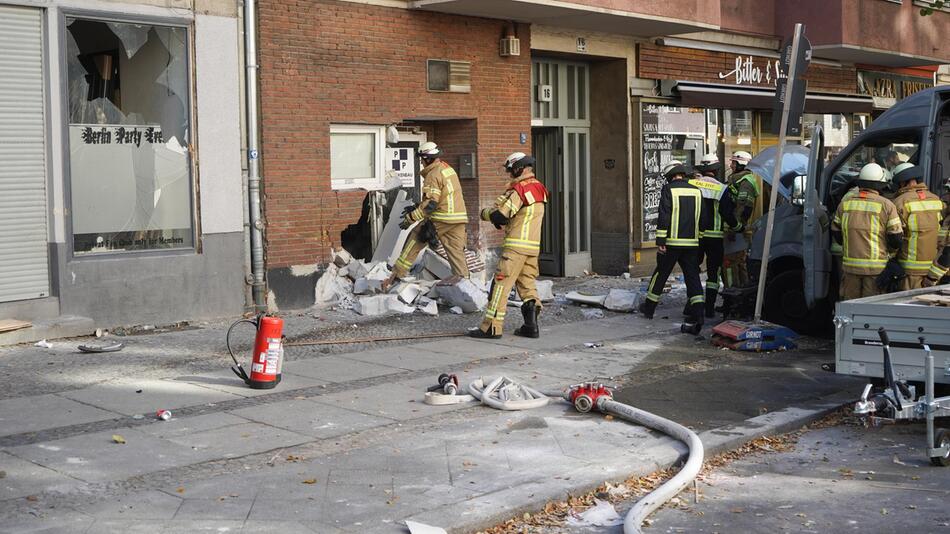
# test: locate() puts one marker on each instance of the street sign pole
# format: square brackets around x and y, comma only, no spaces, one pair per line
[793,75]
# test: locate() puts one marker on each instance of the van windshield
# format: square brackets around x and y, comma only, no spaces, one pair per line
[888,150]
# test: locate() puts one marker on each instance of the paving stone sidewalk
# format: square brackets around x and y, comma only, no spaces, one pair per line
[345,444]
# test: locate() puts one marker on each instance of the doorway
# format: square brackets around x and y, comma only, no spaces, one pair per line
[561,144]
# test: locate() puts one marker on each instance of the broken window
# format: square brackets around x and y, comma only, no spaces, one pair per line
[129,136]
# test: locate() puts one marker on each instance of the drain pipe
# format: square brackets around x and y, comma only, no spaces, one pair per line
[253,157]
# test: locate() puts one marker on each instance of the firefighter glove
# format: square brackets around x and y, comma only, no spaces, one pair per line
[890,278]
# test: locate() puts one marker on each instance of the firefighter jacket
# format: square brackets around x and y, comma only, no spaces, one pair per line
[920,212]
[440,184]
[522,205]
[744,191]
[942,262]
[681,207]
[716,204]
[864,218]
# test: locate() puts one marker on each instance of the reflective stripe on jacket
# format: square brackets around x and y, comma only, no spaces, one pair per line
[441,184]
[680,210]
[920,212]
[864,218]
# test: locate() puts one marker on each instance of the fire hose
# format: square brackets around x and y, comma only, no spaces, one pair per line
[505,394]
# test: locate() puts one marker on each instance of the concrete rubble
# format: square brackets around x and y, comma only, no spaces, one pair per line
[350,283]
[618,300]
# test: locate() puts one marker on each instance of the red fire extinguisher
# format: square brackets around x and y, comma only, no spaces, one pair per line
[268,352]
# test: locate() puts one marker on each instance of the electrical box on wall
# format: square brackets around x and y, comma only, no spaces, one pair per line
[509,46]
[466,168]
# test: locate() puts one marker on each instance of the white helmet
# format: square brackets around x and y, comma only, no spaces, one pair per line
[741,157]
[429,150]
[872,172]
[709,159]
[513,158]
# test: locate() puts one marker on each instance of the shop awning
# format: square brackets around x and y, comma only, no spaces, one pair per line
[723,96]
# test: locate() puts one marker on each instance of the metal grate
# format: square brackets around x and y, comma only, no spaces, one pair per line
[446,76]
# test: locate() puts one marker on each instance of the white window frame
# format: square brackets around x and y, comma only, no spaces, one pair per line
[369,183]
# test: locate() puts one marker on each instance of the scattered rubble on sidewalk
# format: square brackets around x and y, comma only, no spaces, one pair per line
[354,284]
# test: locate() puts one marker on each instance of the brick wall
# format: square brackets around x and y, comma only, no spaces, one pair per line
[675,63]
[326,62]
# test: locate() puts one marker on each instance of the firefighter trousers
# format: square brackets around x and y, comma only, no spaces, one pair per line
[514,270]
[710,249]
[452,236]
[912,281]
[855,286]
[735,272]
[688,260]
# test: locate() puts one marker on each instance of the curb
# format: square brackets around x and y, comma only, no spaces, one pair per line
[497,507]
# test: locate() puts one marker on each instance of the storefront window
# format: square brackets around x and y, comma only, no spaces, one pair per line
[737,131]
[129,136]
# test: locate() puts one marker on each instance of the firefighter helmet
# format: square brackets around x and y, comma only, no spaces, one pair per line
[709,163]
[741,157]
[429,150]
[673,168]
[874,173]
[906,172]
[517,161]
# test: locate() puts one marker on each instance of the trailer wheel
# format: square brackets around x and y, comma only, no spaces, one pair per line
[942,439]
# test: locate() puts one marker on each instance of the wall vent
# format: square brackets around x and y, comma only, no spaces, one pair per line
[509,46]
[444,76]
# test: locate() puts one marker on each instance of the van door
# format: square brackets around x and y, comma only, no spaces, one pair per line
[816,227]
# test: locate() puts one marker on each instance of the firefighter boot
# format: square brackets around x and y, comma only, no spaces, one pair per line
[530,328]
[694,324]
[478,333]
[647,307]
[711,295]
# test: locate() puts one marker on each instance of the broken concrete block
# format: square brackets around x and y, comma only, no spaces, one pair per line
[407,292]
[393,238]
[435,264]
[456,310]
[464,294]
[342,258]
[622,300]
[365,286]
[545,290]
[357,269]
[331,288]
[373,305]
[590,300]
[427,306]
[378,271]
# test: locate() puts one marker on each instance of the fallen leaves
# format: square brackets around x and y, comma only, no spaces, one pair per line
[309,481]
[118,439]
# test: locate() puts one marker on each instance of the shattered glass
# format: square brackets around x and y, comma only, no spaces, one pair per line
[129,136]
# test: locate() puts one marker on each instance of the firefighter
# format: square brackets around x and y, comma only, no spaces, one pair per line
[941,264]
[868,226]
[921,214]
[519,211]
[743,190]
[443,208]
[677,239]
[716,206]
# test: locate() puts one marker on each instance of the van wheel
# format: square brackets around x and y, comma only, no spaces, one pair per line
[785,305]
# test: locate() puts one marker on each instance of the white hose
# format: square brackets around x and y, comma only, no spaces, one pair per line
[502,393]
[670,488]
[632,522]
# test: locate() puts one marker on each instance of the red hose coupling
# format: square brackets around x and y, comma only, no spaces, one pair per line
[584,397]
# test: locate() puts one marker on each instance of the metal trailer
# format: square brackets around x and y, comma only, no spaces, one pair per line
[890,338]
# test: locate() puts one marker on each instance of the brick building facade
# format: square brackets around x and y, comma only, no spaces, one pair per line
[330,62]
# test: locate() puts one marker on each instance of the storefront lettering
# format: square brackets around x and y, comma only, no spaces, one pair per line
[890,87]
[748,73]
[121,135]
[909,88]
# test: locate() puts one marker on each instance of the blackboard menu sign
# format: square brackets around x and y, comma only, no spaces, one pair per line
[665,132]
